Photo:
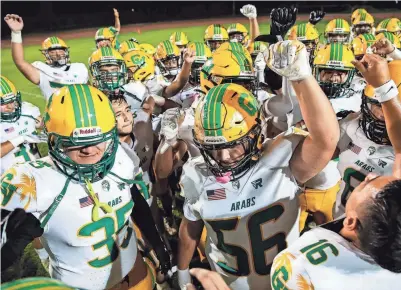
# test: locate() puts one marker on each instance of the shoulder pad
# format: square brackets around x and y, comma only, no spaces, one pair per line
[194,173]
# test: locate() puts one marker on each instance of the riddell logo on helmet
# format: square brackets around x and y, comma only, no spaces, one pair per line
[335,63]
[87,132]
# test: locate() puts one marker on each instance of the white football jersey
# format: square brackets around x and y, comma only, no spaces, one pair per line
[248,221]
[358,84]
[156,85]
[135,93]
[23,126]
[52,78]
[349,102]
[141,159]
[322,259]
[359,156]
[84,252]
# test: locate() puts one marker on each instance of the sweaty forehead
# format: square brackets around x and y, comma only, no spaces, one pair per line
[372,187]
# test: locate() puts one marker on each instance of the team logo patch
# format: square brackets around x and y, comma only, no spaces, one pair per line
[371,150]
[257,183]
[382,163]
[105,185]
[236,184]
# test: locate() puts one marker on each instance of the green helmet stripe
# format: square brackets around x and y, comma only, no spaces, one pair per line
[56,40]
[363,16]
[168,47]
[178,36]
[301,30]
[217,103]
[385,23]
[256,45]
[389,36]
[91,106]
[130,45]
[101,31]
[341,50]
[242,61]
[84,105]
[75,106]
[5,88]
[35,283]
[208,118]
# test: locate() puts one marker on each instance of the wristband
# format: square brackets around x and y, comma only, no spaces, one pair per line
[184,278]
[17,141]
[386,92]
[395,54]
[16,37]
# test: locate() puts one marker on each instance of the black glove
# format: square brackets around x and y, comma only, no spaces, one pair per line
[164,259]
[282,19]
[20,228]
[315,16]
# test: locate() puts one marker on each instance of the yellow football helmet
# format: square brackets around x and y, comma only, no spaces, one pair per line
[53,58]
[227,117]
[127,46]
[8,95]
[141,66]
[168,58]
[308,35]
[108,70]
[238,33]
[333,69]
[390,36]
[357,12]
[392,25]
[180,39]
[362,23]
[104,34]
[37,283]
[374,128]
[361,43]
[337,30]
[148,49]
[228,66]
[234,46]
[202,54]
[80,115]
[215,35]
[255,47]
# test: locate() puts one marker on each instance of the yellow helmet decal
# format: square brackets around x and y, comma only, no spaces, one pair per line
[140,64]
[228,112]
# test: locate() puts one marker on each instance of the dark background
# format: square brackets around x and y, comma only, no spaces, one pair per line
[41,16]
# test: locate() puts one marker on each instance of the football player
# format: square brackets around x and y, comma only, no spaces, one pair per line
[127,46]
[358,251]
[243,182]
[168,59]
[334,71]
[364,146]
[337,30]
[90,179]
[362,23]
[384,47]
[19,122]
[107,36]
[238,33]
[393,39]
[392,25]
[57,70]
[308,35]
[180,39]
[215,35]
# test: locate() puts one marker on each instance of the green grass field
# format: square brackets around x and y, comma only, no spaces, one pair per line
[81,49]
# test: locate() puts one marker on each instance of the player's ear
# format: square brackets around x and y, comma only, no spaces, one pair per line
[351,222]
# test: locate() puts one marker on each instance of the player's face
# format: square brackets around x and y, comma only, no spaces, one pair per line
[229,156]
[365,190]
[8,108]
[106,70]
[86,154]
[181,47]
[236,37]
[215,44]
[124,117]
[377,111]
[333,76]
[171,63]
[56,54]
[337,38]
[103,43]
[362,28]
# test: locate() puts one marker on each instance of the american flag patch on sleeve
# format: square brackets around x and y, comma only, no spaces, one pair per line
[354,148]
[216,194]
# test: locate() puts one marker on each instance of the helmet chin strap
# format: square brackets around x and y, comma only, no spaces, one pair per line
[225,178]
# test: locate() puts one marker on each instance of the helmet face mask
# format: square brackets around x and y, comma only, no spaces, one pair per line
[11,116]
[109,75]
[57,57]
[373,127]
[194,77]
[214,44]
[334,89]
[104,42]
[361,29]
[170,66]
[237,37]
[338,37]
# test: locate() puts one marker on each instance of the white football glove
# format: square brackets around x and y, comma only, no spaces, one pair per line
[249,11]
[169,125]
[29,138]
[260,63]
[289,59]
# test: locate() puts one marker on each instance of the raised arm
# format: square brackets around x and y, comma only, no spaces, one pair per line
[17,50]
[117,24]
[386,82]
[251,12]
[182,78]
[289,59]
